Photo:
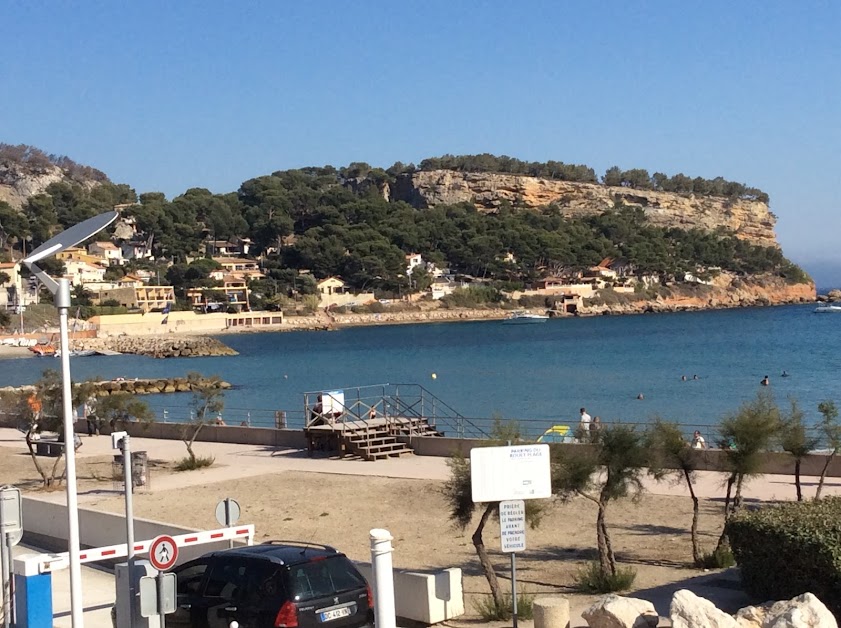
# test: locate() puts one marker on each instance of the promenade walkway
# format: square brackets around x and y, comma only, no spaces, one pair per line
[234,461]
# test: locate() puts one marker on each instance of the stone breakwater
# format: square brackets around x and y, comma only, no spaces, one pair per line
[164,346]
[441,315]
[143,386]
[156,386]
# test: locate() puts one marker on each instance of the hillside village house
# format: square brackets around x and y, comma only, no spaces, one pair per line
[133,297]
[109,251]
[235,291]
[228,248]
[243,267]
[80,272]
[136,249]
[12,292]
[333,292]
[413,260]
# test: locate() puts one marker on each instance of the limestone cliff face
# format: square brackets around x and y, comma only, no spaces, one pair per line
[750,220]
[20,181]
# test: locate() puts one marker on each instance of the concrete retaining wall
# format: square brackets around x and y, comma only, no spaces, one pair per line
[267,436]
[45,526]
[707,459]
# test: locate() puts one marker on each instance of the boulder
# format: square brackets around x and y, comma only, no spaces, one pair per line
[804,611]
[690,611]
[614,611]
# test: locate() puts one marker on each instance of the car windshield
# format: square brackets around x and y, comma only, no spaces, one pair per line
[323,577]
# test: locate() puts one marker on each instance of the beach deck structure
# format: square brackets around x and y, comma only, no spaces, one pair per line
[374,422]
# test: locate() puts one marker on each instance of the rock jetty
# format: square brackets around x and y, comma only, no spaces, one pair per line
[141,386]
[155,386]
[164,346]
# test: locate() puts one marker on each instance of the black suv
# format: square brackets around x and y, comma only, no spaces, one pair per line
[279,584]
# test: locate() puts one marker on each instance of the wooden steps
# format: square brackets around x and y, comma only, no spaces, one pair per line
[373,439]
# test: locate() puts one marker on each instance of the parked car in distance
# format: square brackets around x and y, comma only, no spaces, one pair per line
[278,584]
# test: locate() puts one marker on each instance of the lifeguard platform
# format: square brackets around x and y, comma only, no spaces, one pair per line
[376,422]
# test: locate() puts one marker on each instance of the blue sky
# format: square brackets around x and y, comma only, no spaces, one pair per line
[171,95]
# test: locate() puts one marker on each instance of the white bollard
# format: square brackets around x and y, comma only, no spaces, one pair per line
[385,615]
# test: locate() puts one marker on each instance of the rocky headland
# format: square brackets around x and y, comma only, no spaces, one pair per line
[749,220]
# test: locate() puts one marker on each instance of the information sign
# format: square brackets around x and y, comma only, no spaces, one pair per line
[514,472]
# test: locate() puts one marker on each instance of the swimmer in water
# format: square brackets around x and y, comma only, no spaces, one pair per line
[785,374]
[765,381]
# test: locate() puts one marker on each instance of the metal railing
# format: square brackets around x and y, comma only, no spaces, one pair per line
[390,402]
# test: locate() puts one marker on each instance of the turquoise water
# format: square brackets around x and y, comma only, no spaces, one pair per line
[538,372]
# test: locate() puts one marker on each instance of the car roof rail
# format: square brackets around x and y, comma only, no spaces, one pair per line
[303,544]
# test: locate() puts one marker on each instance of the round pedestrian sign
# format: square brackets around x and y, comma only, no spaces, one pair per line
[163,552]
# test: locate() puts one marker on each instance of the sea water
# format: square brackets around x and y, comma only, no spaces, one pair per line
[542,373]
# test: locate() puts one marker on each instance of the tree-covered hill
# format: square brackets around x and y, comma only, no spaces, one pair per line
[337,222]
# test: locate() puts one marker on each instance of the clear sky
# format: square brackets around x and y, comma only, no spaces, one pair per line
[171,95]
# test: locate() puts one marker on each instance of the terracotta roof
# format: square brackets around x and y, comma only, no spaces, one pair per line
[106,245]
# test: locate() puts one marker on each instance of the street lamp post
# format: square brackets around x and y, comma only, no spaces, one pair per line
[61,291]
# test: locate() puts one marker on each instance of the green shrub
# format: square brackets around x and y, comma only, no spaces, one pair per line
[785,550]
[189,464]
[719,558]
[592,579]
[473,296]
[489,611]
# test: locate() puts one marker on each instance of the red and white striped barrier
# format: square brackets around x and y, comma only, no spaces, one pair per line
[182,540]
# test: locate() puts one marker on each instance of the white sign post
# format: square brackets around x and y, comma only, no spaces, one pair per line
[509,475]
[512,534]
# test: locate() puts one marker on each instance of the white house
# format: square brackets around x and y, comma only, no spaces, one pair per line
[109,251]
[413,260]
[80,272]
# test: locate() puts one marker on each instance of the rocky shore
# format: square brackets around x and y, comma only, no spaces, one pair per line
[161,346]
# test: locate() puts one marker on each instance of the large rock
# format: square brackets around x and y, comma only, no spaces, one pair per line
[804,611]
[690,611]
[614,611]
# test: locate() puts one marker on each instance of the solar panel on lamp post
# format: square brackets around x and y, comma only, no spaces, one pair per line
[61,292]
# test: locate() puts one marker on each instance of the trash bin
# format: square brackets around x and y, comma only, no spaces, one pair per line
[139,469]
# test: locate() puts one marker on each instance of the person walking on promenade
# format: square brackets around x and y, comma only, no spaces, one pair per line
[89,410]
[584,426]
[698,441]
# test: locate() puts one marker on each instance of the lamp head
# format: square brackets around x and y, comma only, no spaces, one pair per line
[72,236]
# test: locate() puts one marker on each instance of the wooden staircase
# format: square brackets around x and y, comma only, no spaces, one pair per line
[376,439]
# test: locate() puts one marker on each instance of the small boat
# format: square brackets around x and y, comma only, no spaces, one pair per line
[82,353]
[43,350]
[828,309]
[524,318]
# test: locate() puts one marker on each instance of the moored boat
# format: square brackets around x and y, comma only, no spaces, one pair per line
[828,308]
[524,318]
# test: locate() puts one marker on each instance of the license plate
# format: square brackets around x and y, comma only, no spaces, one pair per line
[335,614]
